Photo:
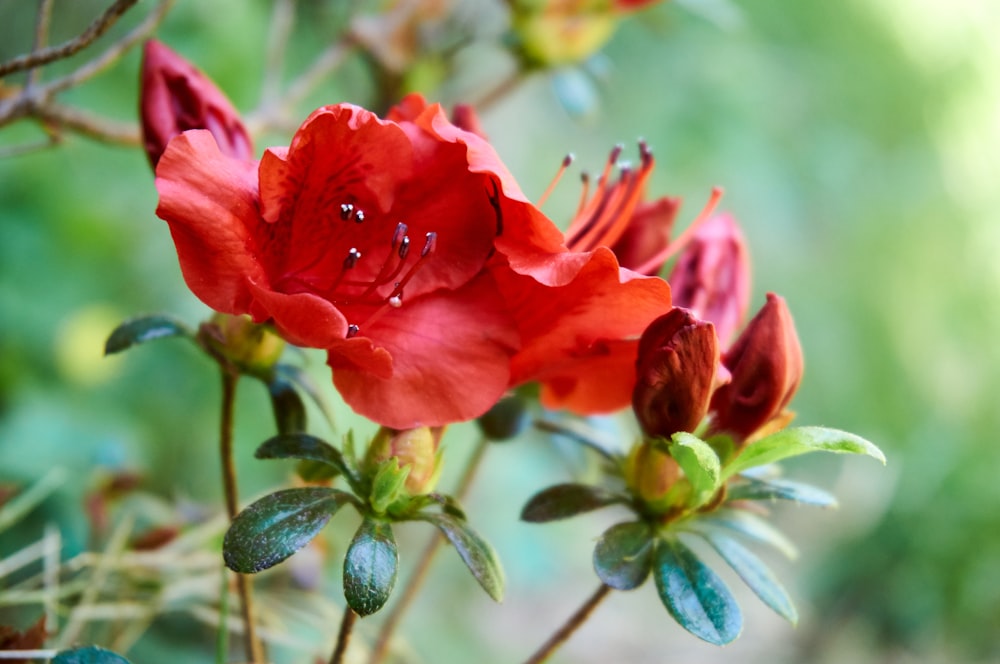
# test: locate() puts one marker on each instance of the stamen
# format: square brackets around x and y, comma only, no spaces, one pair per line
[353,256]
[585,179]
[430,244]
[359,216]
[345,211]
[567,160]
[352,330]
[665,254]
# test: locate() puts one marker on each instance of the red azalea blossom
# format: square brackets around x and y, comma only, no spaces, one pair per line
[368,238]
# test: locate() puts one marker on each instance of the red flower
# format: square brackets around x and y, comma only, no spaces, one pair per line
[677,369]
[176,96]
[369,238]
[712,275]
[766,367]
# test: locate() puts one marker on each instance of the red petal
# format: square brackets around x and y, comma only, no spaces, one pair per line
[450,355]
[209,200]
[302,319]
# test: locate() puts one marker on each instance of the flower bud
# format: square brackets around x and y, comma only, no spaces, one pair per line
[175,96]
[676,372]
[712,276]
[252,348]
[650,473]
[766,366]
[416,448]
[647,234]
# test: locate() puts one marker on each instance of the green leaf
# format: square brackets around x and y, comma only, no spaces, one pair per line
[388,485]
[278,525]
[137,331]
[747,524]
[755,574]
[697,599]
[776,489]
[289,411]
[88,655]
[305,382]
[624,555]
[370,567]
[800,440]
[476,552]
[448,504]
[565,500]
[700,464]
[309,448]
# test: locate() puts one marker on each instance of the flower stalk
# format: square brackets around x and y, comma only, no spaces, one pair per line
[569,627]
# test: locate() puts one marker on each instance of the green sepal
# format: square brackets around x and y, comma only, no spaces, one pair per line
[700,464]
[800,440]
[370,567]
[312,449]
[448,504]
[289,411]
[88,655]
[137,331]
[565,500]
[388,485]
[779,489]
[276,526]
[476,553]
[624,555]
[747,524]
[694,595]
[755,574]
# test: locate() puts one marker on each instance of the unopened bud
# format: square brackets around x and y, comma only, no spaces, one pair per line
[252,348]
[650,473]
[416,448]
[676,372]
[766,367]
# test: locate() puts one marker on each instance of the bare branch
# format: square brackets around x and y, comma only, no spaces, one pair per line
[282,19]
[41,37]
[91,125]
[66,49]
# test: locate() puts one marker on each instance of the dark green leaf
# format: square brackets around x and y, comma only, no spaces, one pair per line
[624,554]
[448,504]
[700,464]
[88,655]
[776,489]
[697,599]
[747,524]
[476,553]
[278,525]
[565,500]
[755,574]
[289,411]
[800,440]
[306,447]
[370,567]
[140,330]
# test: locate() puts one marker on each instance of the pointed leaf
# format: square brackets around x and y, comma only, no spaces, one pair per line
[476,552]
[88,655]
[388,485]
[776,489]
[747,524]
[800,440]
[140,330]
[278,525]
[289,411]
[697,599]
[624,554]
[565,500]
[370,567]
[309,448]
[755,574]
[700,464]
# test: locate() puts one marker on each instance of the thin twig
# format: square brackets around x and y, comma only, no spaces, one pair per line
[99,26]
[88,124]
[569,627]
[42,23]
[419,574]
[282,19]
[344,636]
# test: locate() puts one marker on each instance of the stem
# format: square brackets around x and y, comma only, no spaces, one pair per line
[346,625]
[571,625]
[230,377]
[419,574]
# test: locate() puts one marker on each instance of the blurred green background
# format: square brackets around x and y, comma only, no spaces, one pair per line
[857,142]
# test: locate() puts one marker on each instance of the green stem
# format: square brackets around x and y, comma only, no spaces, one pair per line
[252,644]
[346,625]
[571,625]
[419,574]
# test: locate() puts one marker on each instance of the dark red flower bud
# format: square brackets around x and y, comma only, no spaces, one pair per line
[676,373]
[175,96]
[712,276]
[766,367]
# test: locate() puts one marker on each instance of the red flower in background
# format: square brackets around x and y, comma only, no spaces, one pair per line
[176,96]
[368,238]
